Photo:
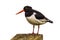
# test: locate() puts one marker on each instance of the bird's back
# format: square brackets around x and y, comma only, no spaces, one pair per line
[39,15]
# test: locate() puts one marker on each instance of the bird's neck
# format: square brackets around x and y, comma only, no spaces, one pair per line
[28,14]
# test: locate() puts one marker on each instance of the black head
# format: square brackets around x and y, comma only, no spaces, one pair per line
[27,8]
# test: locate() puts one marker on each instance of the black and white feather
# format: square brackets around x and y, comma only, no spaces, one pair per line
[35,17]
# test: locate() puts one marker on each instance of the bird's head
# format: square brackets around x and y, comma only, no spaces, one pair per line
[25,9]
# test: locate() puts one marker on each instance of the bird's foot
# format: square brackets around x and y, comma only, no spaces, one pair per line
[37,33]
[33,33]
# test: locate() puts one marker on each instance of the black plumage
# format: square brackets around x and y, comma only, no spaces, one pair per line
[29,11]
[39,16]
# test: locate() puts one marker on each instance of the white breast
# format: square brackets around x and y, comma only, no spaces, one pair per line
[35,21]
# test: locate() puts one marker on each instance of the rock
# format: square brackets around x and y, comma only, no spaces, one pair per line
[28,37]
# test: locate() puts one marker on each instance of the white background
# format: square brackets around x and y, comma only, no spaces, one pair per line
[12,24]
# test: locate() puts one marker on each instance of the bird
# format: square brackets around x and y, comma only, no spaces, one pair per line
[34,17]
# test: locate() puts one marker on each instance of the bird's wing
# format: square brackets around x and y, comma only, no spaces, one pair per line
[39,15]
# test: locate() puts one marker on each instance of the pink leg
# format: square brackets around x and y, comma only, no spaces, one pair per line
[33,29]
[38,30]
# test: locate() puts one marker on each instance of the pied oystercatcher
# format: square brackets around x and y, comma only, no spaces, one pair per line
[34,17]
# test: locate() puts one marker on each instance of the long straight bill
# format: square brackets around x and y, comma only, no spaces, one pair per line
[19,12]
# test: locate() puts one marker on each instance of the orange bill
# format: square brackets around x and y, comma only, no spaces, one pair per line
[19,12]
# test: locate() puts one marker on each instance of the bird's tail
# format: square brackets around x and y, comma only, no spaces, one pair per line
[50,21]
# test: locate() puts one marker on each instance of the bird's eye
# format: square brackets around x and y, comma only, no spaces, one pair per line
[25,8]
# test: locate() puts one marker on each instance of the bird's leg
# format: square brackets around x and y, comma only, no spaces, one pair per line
[38,30]
[33,29]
